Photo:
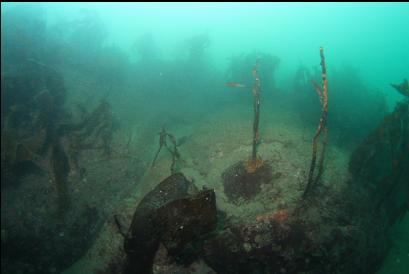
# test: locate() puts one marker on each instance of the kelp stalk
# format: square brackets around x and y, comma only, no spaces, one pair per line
[163,135]
[322,128]
[256,106]
[255,161]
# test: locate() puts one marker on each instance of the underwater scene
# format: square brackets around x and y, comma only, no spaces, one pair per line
[253,138]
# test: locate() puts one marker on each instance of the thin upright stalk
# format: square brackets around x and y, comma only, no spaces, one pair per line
[256,106]
[322,127]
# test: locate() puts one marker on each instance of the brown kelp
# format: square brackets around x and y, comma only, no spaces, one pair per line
[175,213]
[39,134]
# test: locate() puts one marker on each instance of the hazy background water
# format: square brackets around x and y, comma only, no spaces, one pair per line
[372,37]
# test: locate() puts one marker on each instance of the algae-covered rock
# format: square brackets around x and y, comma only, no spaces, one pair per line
[381,163]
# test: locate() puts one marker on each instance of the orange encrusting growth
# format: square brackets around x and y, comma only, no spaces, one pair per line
[279,216]
[254,164]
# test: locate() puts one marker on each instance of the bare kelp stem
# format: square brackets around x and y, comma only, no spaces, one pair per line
[163,135]
[322,127]
[162,142]
[256,106]
[255,161]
